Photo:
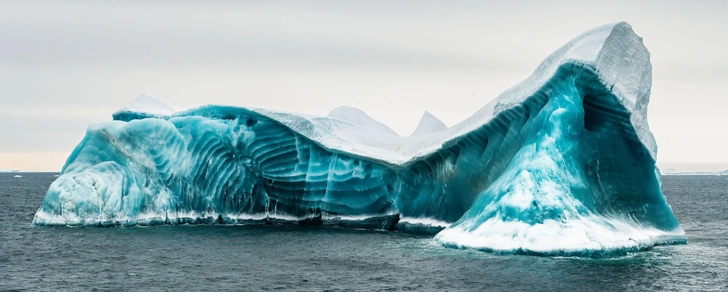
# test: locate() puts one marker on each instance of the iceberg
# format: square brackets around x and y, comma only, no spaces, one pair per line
[672,171]
[562,163]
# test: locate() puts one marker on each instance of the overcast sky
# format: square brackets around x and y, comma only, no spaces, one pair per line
[64,65]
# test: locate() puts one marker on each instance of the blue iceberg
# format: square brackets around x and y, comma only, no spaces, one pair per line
[563,163]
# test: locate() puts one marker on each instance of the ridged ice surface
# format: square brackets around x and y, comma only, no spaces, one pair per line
[561,163]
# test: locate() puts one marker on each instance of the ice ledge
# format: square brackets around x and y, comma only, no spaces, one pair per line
[592,236]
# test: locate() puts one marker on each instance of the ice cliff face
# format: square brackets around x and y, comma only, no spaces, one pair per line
[561,163]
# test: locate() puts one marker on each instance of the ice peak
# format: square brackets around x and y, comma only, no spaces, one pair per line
[429,124]
[145,103]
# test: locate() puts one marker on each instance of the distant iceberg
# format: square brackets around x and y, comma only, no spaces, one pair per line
[672,171]
[563,163]
[3,170]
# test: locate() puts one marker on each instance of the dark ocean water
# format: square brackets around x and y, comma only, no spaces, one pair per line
[316,258]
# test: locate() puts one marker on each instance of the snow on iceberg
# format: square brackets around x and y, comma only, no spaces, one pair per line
[561,163]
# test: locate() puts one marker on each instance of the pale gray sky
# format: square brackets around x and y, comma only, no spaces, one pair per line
[68,64]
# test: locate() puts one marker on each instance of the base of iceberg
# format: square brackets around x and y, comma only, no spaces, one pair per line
[594,236]
[563,163]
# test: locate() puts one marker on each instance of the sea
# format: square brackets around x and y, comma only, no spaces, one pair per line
[297,258]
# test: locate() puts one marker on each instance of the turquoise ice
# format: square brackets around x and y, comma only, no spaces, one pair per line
[561,163]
